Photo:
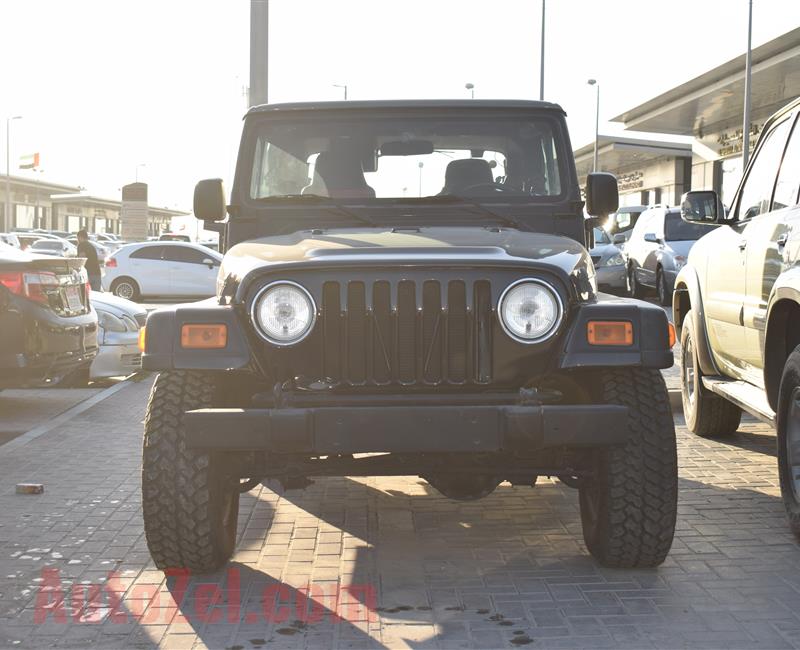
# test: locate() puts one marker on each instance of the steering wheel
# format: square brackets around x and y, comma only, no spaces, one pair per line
[497,187]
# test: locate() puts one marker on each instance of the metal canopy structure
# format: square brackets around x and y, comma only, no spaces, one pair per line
[617,152]
[712,102]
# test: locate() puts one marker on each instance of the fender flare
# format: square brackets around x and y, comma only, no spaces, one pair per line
[784,291]
[687,283]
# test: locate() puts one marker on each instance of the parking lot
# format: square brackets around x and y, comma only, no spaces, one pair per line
[382,562]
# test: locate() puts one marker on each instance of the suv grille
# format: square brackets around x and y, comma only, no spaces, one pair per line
[408,332]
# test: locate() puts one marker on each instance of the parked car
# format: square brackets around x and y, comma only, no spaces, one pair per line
[460,334]
[48,326]
[737,303]
[172,236]
[162,269]
[212,244]
[102,251]
[10,238]
[609,264]
[119,322]
[622,222]
[658,248]
[26,240]
[56,247]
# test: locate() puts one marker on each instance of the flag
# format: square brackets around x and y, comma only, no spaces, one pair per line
[31,161]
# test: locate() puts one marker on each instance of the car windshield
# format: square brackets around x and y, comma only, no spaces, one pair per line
[676,229]
[385,158]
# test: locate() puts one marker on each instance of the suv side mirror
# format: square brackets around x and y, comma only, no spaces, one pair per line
[619,239]
[602,194]
[651,238]
[701,206]
[209,200]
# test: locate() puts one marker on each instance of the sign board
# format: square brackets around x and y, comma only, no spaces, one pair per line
[133,215]
[31,161]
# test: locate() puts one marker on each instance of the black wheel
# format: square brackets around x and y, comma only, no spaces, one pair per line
[190,503]
[664,292]
[628,509]
[789,439]
[635,289]
[706,414]
[125,287]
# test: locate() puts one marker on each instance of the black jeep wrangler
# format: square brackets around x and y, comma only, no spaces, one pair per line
[406,291]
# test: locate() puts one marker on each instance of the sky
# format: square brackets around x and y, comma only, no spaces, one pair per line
[109,89]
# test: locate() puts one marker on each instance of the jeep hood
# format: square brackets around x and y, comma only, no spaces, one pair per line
[419,246]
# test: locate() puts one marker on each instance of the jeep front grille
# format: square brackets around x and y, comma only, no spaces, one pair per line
[407,332]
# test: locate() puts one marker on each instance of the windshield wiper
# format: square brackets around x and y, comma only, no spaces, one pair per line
[332,205]
[457,198]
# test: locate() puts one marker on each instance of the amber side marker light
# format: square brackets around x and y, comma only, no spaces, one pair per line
[204,336]
[609,332]
[141,339]
[673,337]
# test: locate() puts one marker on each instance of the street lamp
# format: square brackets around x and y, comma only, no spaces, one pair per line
[137,170]
[593,82]
[344,86]
[420,165]
[7,214]
[748,66]
[471,88]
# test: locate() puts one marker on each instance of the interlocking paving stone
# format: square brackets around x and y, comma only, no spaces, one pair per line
[402,565]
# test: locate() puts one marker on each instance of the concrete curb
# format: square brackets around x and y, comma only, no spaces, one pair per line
[675,400]
[64,417]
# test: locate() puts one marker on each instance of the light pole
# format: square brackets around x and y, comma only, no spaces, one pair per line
[593,82]
[137,170]
[420,165]
[344,86]
[37,219]
[541,60]
[7,225]
[747,74]
[471,88]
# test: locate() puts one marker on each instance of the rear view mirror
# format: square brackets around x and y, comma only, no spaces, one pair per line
[602,194]
[209,200]
[701,206]
[407,148]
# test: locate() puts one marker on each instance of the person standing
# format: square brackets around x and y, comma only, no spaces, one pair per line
[92,266]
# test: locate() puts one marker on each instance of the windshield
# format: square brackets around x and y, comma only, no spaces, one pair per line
[405,158]
[676,229]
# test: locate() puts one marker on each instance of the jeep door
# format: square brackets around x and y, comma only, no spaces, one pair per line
[766,233]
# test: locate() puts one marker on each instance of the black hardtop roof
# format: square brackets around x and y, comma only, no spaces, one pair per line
[400,104]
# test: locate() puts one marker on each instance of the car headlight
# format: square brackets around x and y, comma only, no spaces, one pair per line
[284,313]
[530,311]
[111,323]
[614,260]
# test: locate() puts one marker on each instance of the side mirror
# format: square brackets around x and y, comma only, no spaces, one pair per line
[210,263]
[651,238]
[619,239]
[701,206]
[602,194]
[209,200]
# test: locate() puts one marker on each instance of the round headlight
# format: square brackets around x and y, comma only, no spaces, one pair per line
[284,313]
[530,311]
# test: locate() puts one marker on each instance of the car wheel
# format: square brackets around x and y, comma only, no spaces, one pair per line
[789,440]
[706,414]
[125,288]
[635,288]
[190,501]
[664,294]
[628,510]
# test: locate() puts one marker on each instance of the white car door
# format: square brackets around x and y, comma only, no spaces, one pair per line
[151,272]
[193,272]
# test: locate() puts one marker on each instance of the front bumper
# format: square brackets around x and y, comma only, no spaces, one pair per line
[119,355]
[613,277]
[405,429]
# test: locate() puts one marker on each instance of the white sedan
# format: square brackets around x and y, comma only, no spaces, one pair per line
[162,269]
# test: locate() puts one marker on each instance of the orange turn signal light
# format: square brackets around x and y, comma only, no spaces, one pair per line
[206,336]
[141,339]
[673,337]
[609,332]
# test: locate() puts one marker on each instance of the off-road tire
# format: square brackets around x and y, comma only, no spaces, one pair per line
[707,415]
[788,415]
[117,288]
[190,504]
[664,293]
[629,509]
